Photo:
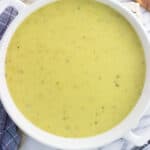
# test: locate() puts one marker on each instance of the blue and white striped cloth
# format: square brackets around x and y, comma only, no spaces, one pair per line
[9,133]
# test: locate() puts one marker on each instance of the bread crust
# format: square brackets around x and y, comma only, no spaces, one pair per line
[144,3]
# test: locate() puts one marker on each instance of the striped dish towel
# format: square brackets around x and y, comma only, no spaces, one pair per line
[9,135]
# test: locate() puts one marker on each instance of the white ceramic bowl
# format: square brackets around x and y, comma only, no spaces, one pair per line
[124,129]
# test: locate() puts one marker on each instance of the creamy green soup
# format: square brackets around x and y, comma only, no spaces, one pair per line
[75,68]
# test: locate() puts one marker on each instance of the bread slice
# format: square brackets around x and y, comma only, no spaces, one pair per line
[144,3]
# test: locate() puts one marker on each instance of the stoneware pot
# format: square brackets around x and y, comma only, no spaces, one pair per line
[122,130]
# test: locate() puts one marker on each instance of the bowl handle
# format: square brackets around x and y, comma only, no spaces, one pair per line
[18,4]
[137,140]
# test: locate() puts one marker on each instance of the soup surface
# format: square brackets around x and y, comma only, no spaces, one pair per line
[75,68]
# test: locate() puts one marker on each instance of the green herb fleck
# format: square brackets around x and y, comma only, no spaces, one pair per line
[78,8]
[95,122]
[117,76]
[67,60]
[42,81]
[57,83]
[116,84]
[99,78]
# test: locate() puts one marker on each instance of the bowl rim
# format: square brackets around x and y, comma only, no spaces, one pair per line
[75,143]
